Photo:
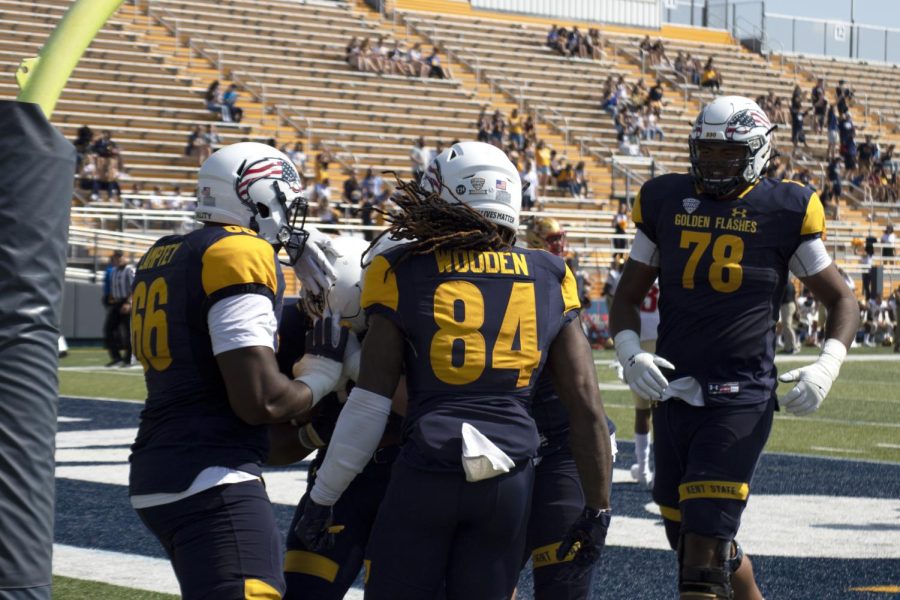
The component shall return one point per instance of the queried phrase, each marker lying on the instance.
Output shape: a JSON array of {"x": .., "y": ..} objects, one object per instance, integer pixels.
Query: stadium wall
[{"x": 634, "y": 13}]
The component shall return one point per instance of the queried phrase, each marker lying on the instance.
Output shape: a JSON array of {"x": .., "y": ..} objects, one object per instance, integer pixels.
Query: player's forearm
[
  {"x": 590, "y": 444},
  {"x": 624, "y": 315},
  {"x": 843, "y": 320}
]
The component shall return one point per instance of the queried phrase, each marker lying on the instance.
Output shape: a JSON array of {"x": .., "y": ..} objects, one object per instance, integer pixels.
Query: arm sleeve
[
  {"x": 357, "y": 433},
  {"x": 241, "y": 321},
  {"x": 239, "y": 264},
  {"x": 643, "y": 250},
  {"x": 810, "y": 258}
]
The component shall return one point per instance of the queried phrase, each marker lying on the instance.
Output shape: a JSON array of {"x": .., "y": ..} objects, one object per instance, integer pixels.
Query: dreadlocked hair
[{"x": 430, "y": 223}]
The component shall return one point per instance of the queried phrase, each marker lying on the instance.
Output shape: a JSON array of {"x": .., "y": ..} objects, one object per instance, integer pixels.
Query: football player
[
  {"x": 458, "y": 306},
  {"x": 558, "y": 498},
  {"x": 327, "y": 573},
  {"x": 203, "y": 327},
  {"x": 722, "y": 240}
]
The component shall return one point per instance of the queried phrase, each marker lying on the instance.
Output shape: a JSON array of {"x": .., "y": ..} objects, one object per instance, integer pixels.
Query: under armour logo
[
  {"x": 739, "y": 213},
  {"x": 690, "y": 205}
]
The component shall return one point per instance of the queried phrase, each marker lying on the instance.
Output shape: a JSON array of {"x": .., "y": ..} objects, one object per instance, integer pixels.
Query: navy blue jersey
[
  {"x": 187, "y": 423},
  {"x": 723, "y": 267},
  {"x": 478, "y": 326}
]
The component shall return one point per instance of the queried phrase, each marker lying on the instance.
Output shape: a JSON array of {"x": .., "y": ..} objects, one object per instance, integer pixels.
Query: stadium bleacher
[{"x": 144, "y": 77}]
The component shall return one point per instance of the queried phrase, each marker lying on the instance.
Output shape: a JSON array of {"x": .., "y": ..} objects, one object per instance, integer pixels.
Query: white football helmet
[
  {"x": 343, "y": 296},
  {"x": 255, "y": 186},
  {"x": 480, "y": 176},
  {"x": 730, "y": 145}
]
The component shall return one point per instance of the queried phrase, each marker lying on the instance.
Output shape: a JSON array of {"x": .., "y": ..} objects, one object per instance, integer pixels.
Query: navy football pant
[
  {"x": 436, "y": 531},
  {"x": 705, "y": 459},
  {"x": 556, "y": 503},
  {"x": 328, "y": 574},
  {"x": 224, "y": 543}
]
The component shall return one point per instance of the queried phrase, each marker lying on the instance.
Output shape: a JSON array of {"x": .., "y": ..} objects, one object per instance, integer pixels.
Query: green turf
[
  {"x": 859, "y": 419},
  {"x": 66, "y": 588}
]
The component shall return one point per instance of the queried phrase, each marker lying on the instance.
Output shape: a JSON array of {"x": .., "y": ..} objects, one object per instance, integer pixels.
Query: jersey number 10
[
  {"x": 149, "y": 327},
  {"x": 520, "y": 317}
]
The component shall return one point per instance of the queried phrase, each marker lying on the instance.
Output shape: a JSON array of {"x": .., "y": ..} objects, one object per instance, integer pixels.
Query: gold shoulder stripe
[
  {"x": 636, "y": 215},
  {"x": 571, "y": 301},
  {"x": 380, "y": 285},
  {"x": 237, "y": 260},
  {"x": 814, "y": 219},
  {"x": 309, "y": 563},
  {"x": 726, "y": 490}
]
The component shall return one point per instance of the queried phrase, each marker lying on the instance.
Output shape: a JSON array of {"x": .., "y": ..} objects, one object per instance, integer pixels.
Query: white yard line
[
  {"x": 830, "y": 449},
  {"x": 895, "y": 446}
]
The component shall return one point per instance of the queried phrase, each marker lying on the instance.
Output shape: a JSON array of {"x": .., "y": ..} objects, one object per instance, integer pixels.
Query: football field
[{"x": 823, "y": 520}]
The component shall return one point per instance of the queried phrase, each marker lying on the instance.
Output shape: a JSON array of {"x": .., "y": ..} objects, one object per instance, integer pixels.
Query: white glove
[
  {"x": 313, "y": 268},
  {"x": 641, "y": 368},
  {"x": 813, "y": 381}
]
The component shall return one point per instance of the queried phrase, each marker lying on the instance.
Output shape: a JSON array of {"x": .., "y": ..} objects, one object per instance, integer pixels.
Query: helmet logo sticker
[
  {"x": 477, "y": 184},
  {"x": 742, "y": 122},
  {"x": 690, "y": 205},
  {"x": 267, "y": 168},
  {"x": 206, "y": 197},
  {"x": 460, "y": 189}
]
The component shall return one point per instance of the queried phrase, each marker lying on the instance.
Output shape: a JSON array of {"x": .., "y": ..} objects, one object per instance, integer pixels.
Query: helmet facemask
[{"x": 720, "y": 168}]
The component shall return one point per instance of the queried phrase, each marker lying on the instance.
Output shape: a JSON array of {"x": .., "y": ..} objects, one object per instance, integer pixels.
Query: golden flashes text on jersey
[
  {"x": 159, "y": 256},
  {"x": 471, "y": 261},
  {"x": 708, "y": 222}
]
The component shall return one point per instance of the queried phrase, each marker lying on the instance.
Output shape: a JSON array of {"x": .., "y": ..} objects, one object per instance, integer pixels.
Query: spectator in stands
[
  {"x": 580, "y": 187},
  {"x": 438, "y": 148},
  {"x": 498, "y": 129},
  {"x": 610, "y": 102},
  {"x": 298, "y": 157},
  {"x": 174, "y": 199},
  {"x": 542, "y": 156},
  {"x": 658, "y": 53},
  {"x": 798, "y": 116},
  {"x": 418, "y": 158},
  {"x": 889, "y": 239},
  {"x": 680, "y": 66},
  {"x": 593, "y": 44},
  {"x": 215, "y": 103},
  {"x": 646, "y": 48},
  {"x": 530, "y": 131},
  {"x": 556, "y": 41},
  {"x": 156, "y": 200},
  {"x": 620, "y": 225},
  {"x": 379, "y": 55},
  {"x": 87, "y": 177},
  {"x": 351, "y": 187},
  {"x": 416, "y": 61},
  {"x": 556, "y": 167},
  {"x": 484, "y": 124},
  {"x": 194, "y": 141},
  {"x": 397, "y": 61},
  {"x": 565, "y": 179},
  {"x": 867, "y": 152},
  {"x": 351, "y": 53},
  {"x": 83, "y": 138},
  {"x": 695, "y": 70},
  {"x": 434, "y": 66},
  {"x": 367, "y": 59},
  {"x": 711, "y": 78},
  {"x": 639, "y": 95},
  {"x": 321, "y": 192},
  {"x": 886, "y": 159},
  {"x": 655, "y": 98},
  {"x": 575, "y": 44},
  {"x": 109, "y": 164},
  {"x": 843, "y": 96},
  {"x": 373, "y": 186},
  {"x": 831, "y": 123},
  {"x": 779, "y": 115},
  {"x": 322, "y": 162},
  {"x": 530, "y": 184},
  {"x": 652, "y": 130},
  {"x": 833, "y": 175},
  {"x": 229, "y": 99},
  {"x": 516, "y": 130},
  {"x": 819, "y": 105},
  {"x": 628, "y": 145},
  {"x": 211, "y": 142},
  {"x": 847, "y": 135}
]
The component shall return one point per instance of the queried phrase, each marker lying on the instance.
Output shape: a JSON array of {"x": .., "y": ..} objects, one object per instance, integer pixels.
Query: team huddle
[{"x": 443, "y": 377}]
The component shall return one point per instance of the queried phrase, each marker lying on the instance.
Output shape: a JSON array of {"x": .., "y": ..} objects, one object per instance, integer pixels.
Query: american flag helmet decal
[{"x": 266, "y": 168}]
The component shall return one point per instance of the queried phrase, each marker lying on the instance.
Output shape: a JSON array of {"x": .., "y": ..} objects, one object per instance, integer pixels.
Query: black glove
[
  {"x": 326, "y": 338},
  {"x": 313, "y": 527},
  {"x": 586, "y": 537}
]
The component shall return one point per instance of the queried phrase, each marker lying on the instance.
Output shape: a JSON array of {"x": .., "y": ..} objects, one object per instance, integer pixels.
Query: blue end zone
[{"x": 95, "y": 515}]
